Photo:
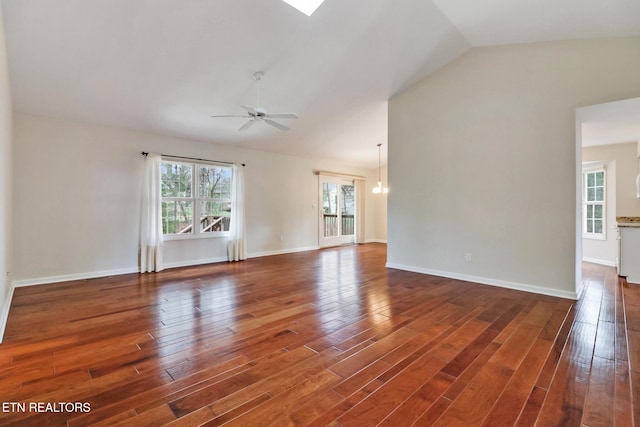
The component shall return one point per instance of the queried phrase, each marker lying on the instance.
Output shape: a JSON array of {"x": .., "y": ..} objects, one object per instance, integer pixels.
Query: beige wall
[
  {"x": 627, "y": 204},
  {"x": 483, "y": 155},
  {"x": 6, "y": 143},
  {"x": 77, "y": 199}
]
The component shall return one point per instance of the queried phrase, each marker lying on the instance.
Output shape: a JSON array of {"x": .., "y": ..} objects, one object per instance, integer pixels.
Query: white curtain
[
  {"x": 151, "y": 216},
  {"x": 237, "y": 245},
  {"x": 360, "y": 194}
]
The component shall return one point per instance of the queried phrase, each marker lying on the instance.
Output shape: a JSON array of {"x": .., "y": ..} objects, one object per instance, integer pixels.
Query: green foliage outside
[{"x": 213, "y": 198}]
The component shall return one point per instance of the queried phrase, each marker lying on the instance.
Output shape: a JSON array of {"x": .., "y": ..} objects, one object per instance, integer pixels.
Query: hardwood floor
[{"x": 326, "y": 337}]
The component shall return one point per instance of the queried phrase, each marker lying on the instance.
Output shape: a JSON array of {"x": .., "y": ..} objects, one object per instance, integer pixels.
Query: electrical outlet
[{"x": 467, "y": 257}]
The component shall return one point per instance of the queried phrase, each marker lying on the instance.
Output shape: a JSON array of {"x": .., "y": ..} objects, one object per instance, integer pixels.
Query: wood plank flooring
[{"x": 319, "y": 338}]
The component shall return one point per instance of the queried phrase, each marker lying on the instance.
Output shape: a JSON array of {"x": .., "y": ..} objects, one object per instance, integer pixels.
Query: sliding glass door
[{"x": 337, "y": 211}]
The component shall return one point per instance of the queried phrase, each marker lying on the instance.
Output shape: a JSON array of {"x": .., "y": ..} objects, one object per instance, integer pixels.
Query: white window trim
[
  {"x": 195, "y": 200},
  {"x": 591, "y": 168}
]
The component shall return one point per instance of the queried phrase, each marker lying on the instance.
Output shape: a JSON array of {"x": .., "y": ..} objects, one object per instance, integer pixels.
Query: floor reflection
[
  {"x": 201, "y": 309},
  {"x": 341, "y": 293},
  {"x": 337, "y": 285}
]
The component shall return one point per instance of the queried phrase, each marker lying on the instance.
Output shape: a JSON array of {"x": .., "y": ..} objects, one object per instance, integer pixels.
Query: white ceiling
[
  {"x": 166, "y": 66},
  {"x": 610, "y": 123}
]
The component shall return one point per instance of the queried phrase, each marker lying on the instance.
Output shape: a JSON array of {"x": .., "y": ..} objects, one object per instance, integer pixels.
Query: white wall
[
  {"x": 6, "y": 110},
  {"x": 77, "y": 199},
  {"x": 482, "y": 157}
]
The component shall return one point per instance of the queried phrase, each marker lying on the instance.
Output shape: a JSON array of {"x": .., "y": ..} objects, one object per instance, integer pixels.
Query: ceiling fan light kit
[{"x": 258, "y": 113}]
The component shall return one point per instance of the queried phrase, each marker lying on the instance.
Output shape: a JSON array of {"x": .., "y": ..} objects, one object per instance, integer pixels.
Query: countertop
[{"x": 628, "y": 221}]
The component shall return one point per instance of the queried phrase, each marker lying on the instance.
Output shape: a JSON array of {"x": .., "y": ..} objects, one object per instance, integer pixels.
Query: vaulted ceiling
[{"x": 166, "y": 66}]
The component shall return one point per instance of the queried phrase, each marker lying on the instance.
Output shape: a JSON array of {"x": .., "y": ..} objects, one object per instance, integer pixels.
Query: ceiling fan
[{"x": 257, "y": 113}]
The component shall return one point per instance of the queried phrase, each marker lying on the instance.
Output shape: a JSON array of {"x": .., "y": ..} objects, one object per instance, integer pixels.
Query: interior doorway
[{"x": 607, "y": 138}]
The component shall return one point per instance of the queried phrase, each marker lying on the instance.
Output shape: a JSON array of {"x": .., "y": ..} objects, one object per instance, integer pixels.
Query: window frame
[
  {"x": 195, "y": 199},
  {"x": 586, "y": 203}
]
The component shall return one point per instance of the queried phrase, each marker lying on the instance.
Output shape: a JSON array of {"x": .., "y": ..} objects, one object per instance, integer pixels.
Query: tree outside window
[{"x": 196, "y": 198}]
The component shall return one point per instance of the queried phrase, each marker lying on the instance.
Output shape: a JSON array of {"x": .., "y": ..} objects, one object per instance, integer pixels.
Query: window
[
  {"x": 196, "y": 199},
  {"x": 305, "y": 6},
  {"x": 594, "y": 204}
]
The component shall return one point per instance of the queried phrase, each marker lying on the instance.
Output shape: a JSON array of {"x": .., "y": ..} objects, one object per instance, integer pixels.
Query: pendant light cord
[{"x": 379, "y": 163}]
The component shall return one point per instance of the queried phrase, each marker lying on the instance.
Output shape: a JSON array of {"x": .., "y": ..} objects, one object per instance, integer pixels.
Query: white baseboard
[
  {"x": 600, "y": 262},
  {"x": 488, "y": 281},
  {"x": 375, "y": 241},
  {"x": 5, "y": 313},
  {"x": 283, "y": 251},
  {"x": 70, "y": 277}
]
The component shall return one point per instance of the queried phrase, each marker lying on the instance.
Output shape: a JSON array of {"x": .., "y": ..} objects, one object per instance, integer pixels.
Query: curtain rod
[
  {"x": 144, "y": 153},
  {"x": 339, "y": 175}
]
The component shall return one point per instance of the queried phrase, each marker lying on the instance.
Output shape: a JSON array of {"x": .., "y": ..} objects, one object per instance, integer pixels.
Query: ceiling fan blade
[
  {"x": 251, "y": 110},
  {"x": 276, "y": 124},
  {"x": 234, "y": 115},
  {"x": 247, "y": 125},
  {"x": 282, "y": 116}
]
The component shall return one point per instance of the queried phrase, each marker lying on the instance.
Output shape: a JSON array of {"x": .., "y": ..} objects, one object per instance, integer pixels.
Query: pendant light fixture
[{"x": 379, "y": 188}]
